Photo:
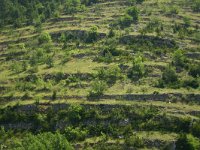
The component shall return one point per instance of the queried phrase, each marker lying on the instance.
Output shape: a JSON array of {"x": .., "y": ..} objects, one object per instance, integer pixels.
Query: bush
[
  {"x": 194, "y": 70},
  {"x": 134, "y": 13},
  {"x": 111, "y": 49},
  {"x": 75, "y": 134},
  {"x": 110, "y": 75},
  {"x": 44, "y": 38},
  {"x": 169, "y": 75},
  {"x": 187, "y": 142},
  {"x": 92, "y": 35},
  {"x": 137, "y": 70},
  {"x": 155, "y": 25},
  {"x": 134, "y": 141},
  {"x": 195, "y": 130},
  {"x": 98, "y": 88},
  {"x": 190, "y": 82},
  {"x": 169, "y": 78},
  {"x": 125, "y": 21},
  {"x": 49, "y": 61},
  {"x": 179, "y": 60},
  {"x": 75, "y": 113},
  {"x": 44, "y": 141},
  {"x": 196, "y": 5}
]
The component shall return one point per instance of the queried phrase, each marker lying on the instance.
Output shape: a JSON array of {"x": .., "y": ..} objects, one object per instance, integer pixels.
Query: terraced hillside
[{"x": 118, "y": 74}]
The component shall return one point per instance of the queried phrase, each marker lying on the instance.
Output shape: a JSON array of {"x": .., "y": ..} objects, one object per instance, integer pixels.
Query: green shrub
[
  {"x": 179, "y": 60},
  {"x": 196, "y": 5},
  {"x": 134, "y": 141},
  {"x": 98, "y": 88},
  {"x": 110, "y": 75},
  {"x": 92, "y": 35},
  {"x": 194, "y": 70},
  {"x": 187, "y": 142},
  {"x": 44, "y": 141},
  {"x": 195, "y": 129},
  {"x": 155, "y": 25},
  {"x": 137, "y": 70},
  {"x": 75, "y": 113},
  {"x": 134, "y": 13},
  {"x": 125, "y": 21},
  {"x": 75, "y": 134},
  {"x": 49, "y": 61},
  {"x": 44, "y": 37},
  {"x": 169, "y": 78},
  {"x": 190, "y": 82}
]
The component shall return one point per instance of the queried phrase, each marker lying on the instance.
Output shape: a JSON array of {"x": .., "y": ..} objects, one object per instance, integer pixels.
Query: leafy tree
[
  {"x": 155, "y": 25},
  {"x": 75, "y": 113},
  {"x": 179, "y": 59},
  {"x": 187, "y": 142},
  {"x": 98, "y": 88},
  {"x": 44, "y": 37},
  {"x": 49, "y": 61},
  {"x": 196, "y": 5},
  {"x": 72, "y": 6},
  {"x": 137, "y": 70},
  {"x": 92, "y": 35},
  {"x": 44, "y": 141},
  {"x": 169, "y": 78},
  {"x": 75, "y": 134},
  {"x": 125, "y": 21},
  {"x": 194, "y": 70},
  {"x": 134, "y": 13},
  {"x": 110, "y": 75},
  {"x": 190, "y": 82}
]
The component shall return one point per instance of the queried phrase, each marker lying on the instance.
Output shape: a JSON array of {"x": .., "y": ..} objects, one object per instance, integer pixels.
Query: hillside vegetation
[{"x": 98, "y": 74}]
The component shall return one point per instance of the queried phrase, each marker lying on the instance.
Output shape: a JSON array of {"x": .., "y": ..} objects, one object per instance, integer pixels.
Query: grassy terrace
[{"x": 142, "y": 77}]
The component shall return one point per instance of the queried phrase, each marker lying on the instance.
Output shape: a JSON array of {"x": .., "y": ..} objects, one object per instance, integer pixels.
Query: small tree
[
  {"x": 125, "y": 21},
  {"x": 137, "y": 70},
  {"x": 194, "y": 70},
  {"x": 187, "y": 142},
  {"x": 134, "y": 13},
  {"x": 92, "y": 35},
  {"x": 98, "y": 88},
  {"x": 44, "y": 37},
  {"x": 169, "y": 78},
  {"x": 49, "y": 62},
  {"x": 179, "y": 59}
]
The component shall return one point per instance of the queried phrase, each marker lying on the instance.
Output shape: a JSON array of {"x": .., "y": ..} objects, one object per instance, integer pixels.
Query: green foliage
[
  {"x": 44, "y": 37},
  {"x": 196, "y": 129},
  {"x": 75, "y": 113},
  {"x": 179, "y": 59},
  {"x": 190, "y": 82},
  {"x": 194, "y": 70},
  {"x": 169, "y": 78},
  {"x": 134, "y": 13},
  {"x": 75, "y": 134},
  {"x": 44, "y": 141},
  {"x": 137, "y": 70},
  {"x": 125, "y": 21},
  {"x": 187, "y": 22},
  {"x": 72, "y": 6},
  {"x": 134, "y": 141},
  {"x": 187, "y": 142},
  {"x": 155, "y": 25},
  {"x": 92, "y": 35},
  {"x": 110, "y": 75},
  {"x": 196, "y": 5},
  {"x": 19, "y": 13},
  {"x": 49, "y": 61},
  {"x": 98, "y": 88},
  {"x": 136, "y": 1}
]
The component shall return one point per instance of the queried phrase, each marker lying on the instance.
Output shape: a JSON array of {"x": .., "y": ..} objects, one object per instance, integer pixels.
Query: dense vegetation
[{"x": 97, "y": 74}]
